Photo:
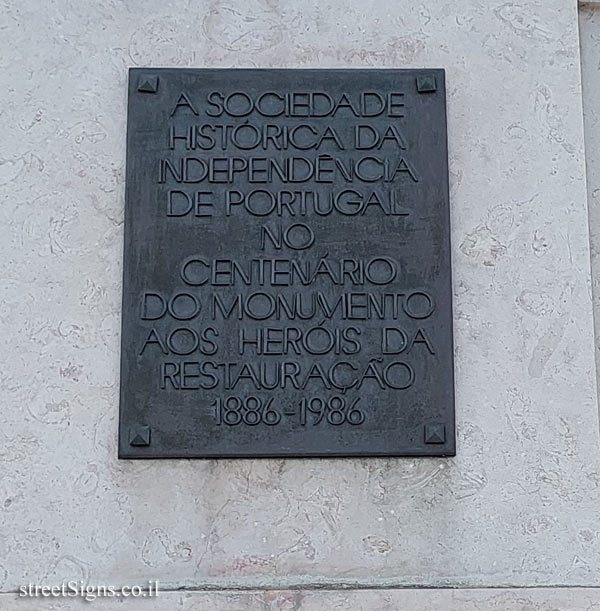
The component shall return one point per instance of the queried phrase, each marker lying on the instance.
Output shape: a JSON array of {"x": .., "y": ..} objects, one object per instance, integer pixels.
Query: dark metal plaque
[{"x": 287, "y": 286}]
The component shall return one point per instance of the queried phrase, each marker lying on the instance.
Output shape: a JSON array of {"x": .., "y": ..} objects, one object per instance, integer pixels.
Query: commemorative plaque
[{"x": 287, "y": 278}]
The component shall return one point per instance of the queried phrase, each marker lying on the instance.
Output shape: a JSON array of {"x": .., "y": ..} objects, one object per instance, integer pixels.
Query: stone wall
[{"x": 517, "y": 507}]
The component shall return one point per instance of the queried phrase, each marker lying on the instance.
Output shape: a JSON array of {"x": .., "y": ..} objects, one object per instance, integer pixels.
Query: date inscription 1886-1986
[{"x": 287, "y": 286}]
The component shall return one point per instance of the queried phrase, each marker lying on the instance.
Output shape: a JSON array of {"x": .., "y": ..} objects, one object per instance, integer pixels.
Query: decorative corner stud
[
  {"x": 426, "y": 83},
  {"x": 435, "y": 433},
  {"x": 148, "y": 83},
  {"x": 139, "y": 436}
]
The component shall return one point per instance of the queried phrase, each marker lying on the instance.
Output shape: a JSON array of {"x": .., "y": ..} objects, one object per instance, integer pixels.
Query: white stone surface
[
  {"x": 525, "y": 599},
  {"x": 589, "y": 25},
  {"x": 519, "y": 505}
]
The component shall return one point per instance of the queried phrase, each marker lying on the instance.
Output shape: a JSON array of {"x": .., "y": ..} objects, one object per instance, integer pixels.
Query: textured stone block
[
  {"x": 518, "y": 505},
  {"x": 527, "y": 599}
]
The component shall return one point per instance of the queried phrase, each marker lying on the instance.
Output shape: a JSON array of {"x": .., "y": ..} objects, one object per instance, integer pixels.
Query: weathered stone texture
[
  {"x": 525, "y": 599},
  {"x": 517, "y": 506}
]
